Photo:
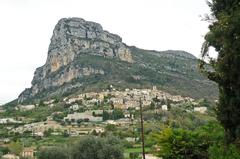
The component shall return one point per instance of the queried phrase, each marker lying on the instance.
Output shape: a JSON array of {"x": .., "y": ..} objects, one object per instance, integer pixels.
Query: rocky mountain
[{"x": 84, "y": 57}]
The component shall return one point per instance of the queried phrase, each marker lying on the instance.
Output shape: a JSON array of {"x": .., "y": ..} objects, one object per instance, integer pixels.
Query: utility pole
[{"x": 142, "y": 130}]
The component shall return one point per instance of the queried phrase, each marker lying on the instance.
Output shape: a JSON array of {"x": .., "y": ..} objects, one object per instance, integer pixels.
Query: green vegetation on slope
[{"x": 167, "y": 70}]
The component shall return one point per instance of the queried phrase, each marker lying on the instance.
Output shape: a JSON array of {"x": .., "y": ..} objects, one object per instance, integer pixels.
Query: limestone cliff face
[
  {"x": 71, "y": 38},
  {"x": 84, "y": 57}
]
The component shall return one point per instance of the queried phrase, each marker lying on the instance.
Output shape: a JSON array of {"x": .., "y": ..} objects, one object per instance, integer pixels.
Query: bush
[
  {"x": 88, "y": 148},
  {"x": 98, "y": 148},
  {"x": 128, "y": 144},
  {"x": 52, "y": 153},
  {"x": 4, "y": 150},
  {"x": 134, "y": 155},
  {"x": 219, "y": 152},
  {"x": 188, "y": 144},
  {"x": 182, "y": 144}
]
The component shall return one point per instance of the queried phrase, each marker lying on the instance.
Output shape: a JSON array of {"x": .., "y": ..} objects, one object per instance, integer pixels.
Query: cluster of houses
[
  {"x": 125, "y": 99},
  {"x": 129, "y": 98},
  {"x": 25, "y": 107},
  {"x": 9, "y": 121},
  {"x": 38, "y": 128},
  {"x": 79, "y": 117}
]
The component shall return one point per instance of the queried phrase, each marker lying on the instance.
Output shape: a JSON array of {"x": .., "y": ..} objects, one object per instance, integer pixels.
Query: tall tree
[{"x": 224, "y": 36}]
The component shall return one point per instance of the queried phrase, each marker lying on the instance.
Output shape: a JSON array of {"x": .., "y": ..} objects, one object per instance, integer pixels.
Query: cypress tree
[{"x": 224, "y": 36}]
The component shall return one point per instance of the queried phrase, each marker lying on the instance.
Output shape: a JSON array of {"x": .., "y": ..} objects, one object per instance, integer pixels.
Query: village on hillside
[{"x": 89, "y": 113}]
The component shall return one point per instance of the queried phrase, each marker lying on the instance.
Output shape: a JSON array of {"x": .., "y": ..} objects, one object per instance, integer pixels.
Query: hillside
[{"x": 83, "y": 57}]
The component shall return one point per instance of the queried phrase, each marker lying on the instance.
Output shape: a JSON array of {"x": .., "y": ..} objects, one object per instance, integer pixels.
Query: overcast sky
[{"x": 26, "y": 28}]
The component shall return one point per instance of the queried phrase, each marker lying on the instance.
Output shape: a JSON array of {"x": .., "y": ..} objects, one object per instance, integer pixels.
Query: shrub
[
  {"x": 217, "y": 151},
  {"x": 189, "y": 144},
  {"x": 98, "y": 148},
  {"x": 52, "y": 153}
]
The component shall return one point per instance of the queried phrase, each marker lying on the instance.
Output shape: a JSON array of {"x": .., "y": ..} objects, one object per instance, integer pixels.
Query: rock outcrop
[
  {"x": 71, "y": 37},
  {"x": 83, "y": 57}
]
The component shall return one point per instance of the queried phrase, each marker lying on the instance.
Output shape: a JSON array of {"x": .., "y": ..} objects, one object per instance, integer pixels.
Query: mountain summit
[{"x": 84, "y": 57}]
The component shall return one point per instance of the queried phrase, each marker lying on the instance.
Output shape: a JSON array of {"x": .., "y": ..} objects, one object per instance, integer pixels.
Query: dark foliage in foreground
[
  {"x": 89, "y": 147},
  {"x": 224, "y": 37}
]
